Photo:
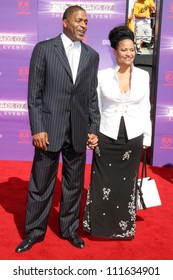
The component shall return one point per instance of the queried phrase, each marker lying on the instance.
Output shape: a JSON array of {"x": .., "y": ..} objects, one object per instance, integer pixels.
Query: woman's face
[{"x": 125, "y": 53}]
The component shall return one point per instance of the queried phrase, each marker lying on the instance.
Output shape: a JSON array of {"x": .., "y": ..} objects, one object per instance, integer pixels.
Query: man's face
[{"x": 75, "y": 25}]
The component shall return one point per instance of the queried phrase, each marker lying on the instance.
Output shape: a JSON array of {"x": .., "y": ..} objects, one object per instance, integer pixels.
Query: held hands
[
  {"x": 145, "y": 147},
  {"x": 92, "y": 141},
  {"x": 40, "y": 140}
]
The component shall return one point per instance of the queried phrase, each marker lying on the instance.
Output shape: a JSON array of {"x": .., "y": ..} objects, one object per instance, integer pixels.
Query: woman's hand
[
  {"x": 92, "y": 141},
  {"x": 145, "y": 147}
]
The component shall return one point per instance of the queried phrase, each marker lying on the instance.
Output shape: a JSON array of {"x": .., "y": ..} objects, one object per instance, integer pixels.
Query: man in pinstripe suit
[{"x": 64, "y": 117}]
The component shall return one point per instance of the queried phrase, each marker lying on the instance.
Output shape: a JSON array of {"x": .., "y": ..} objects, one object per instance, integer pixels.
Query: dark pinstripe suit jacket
[{"x": 52, "y": 94}]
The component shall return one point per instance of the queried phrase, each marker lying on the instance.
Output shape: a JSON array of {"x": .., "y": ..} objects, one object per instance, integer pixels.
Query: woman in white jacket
[{"x": 125, "y": 129}]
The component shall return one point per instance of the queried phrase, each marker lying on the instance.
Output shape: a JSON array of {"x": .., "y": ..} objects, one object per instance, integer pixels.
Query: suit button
[{"x": 68, "y": 110}]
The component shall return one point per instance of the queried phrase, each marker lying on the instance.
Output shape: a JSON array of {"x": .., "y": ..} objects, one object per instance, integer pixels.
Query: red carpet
[{"x": 153, "y": 239}]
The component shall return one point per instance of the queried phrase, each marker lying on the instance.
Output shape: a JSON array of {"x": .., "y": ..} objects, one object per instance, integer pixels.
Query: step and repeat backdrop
[
  {"x": 163, "y": 133},
  {"x": 25, "y": 22},
  {"x": 22, "y": 24}
]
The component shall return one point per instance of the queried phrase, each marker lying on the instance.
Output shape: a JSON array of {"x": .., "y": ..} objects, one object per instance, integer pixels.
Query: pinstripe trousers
[{"x": 41, "y": 190}]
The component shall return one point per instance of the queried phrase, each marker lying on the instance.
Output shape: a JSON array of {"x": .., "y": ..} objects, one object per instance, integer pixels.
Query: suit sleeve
[
  {"x": 35, "y": 89},
  {"x": 94, "y": 114}
]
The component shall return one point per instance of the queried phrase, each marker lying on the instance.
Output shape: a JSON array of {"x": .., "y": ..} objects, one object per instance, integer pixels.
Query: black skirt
[{"x": 110, "y": 210}]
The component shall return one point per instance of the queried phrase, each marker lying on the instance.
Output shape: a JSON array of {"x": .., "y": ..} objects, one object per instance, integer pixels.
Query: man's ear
[{"x": 65, "y": 23}]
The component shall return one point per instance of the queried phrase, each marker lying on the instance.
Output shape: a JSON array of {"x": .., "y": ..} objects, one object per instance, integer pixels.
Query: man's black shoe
[
  {"x": 76, "y": 241},
  {"x": 26, "y": 244}
]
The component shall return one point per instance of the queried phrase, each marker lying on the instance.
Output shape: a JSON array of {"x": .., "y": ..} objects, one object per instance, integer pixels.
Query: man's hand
[
  {"x": 40, "y": 140},
  {"x": 92, "y": 141}
]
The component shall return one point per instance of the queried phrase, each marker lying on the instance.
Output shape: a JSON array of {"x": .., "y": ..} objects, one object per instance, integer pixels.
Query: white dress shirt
[
  {"x": 77, "y": 51},
  {"x": 135, "y": 108}
]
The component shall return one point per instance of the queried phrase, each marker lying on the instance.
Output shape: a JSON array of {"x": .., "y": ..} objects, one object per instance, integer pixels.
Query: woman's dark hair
[{"x": 118, "y": 34}]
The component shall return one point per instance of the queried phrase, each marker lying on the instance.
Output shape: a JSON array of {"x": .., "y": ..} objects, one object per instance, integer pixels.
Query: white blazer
[{"x": 135, "y": 108}]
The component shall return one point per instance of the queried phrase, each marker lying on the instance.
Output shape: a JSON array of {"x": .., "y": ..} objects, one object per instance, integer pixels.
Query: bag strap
[{"x": 143, "y": 175}]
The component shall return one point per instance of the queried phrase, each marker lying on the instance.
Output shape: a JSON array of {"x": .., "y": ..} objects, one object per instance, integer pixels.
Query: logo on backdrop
[
  {"x": 104, "y": 10},
  {"x": 105, "y": 42},
  {"x": 13, "y": 108},
  {"x": 24, "y": 137},
  {"x": 169, "y": 78},
  {"x": 167, "y": 141},
  {"x": 23, "y": 72},
  {"x": 14, "y": 41},
  {"x": 23, "y": 7},
  {"x": 170, "y": 113}
]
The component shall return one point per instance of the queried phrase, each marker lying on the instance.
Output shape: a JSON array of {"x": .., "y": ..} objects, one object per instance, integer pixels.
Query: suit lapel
[
  {"x": 61, "y": 54},
  {"x": 84, "y": 57}
]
